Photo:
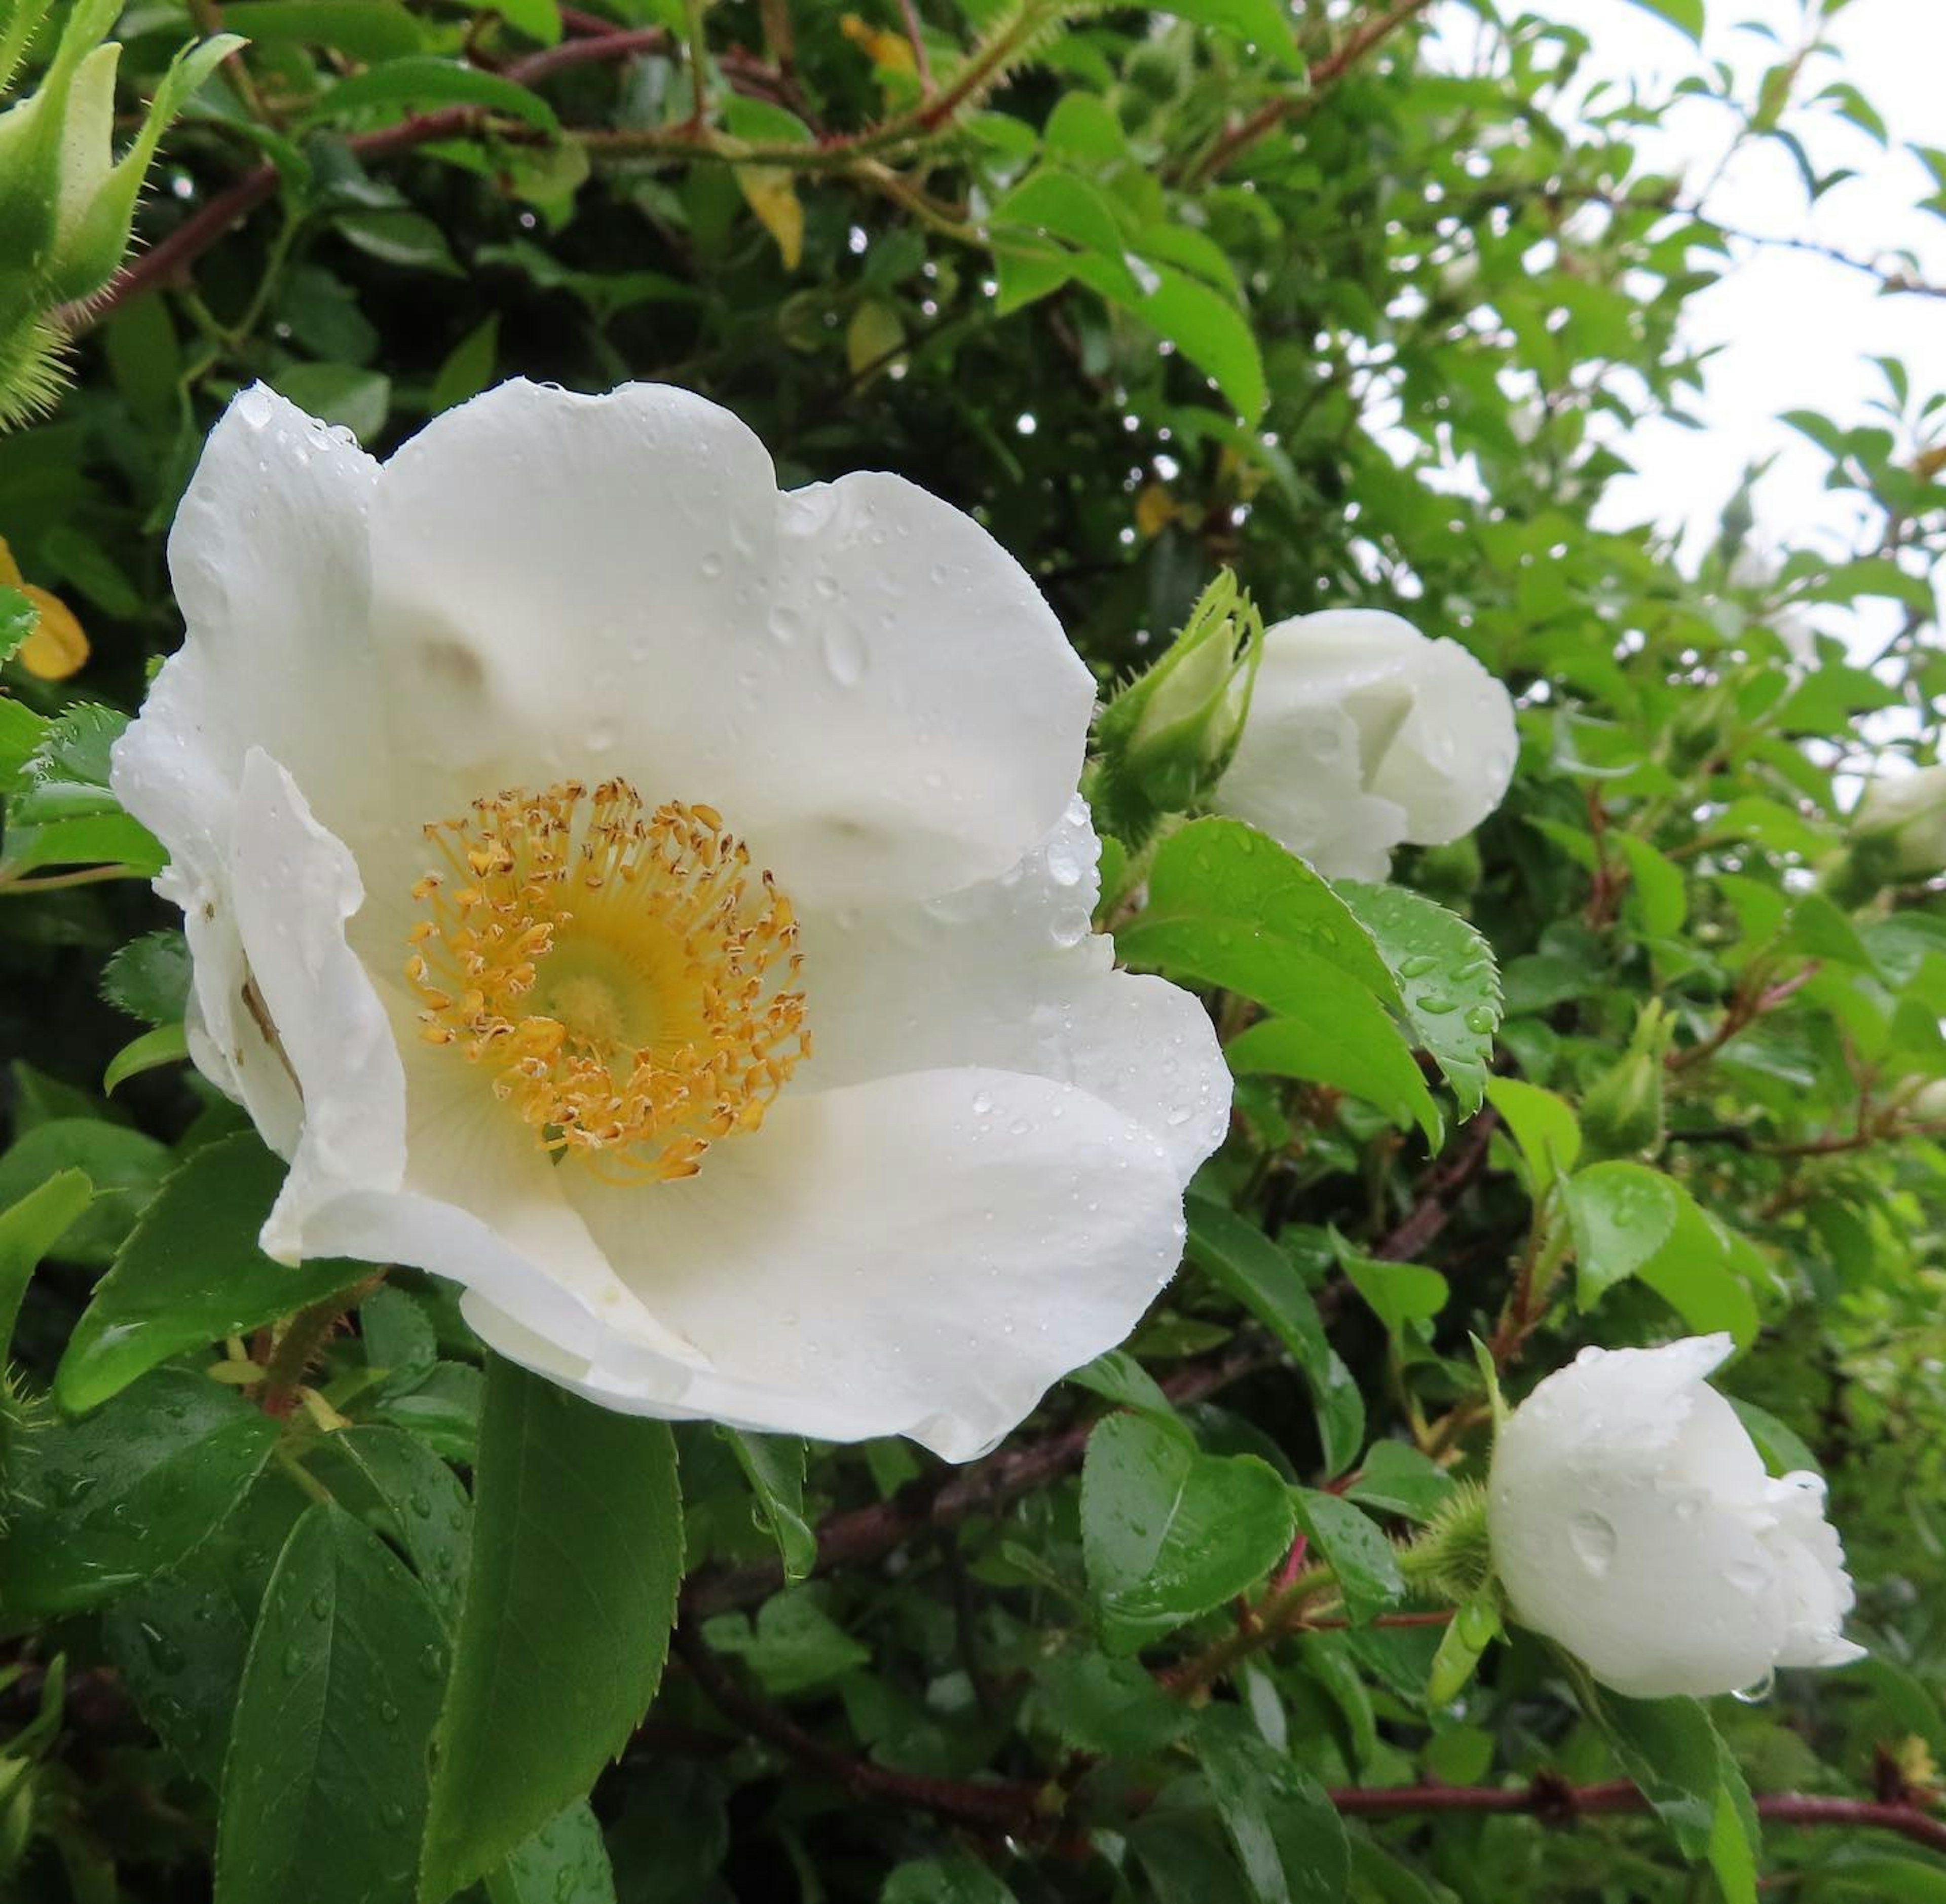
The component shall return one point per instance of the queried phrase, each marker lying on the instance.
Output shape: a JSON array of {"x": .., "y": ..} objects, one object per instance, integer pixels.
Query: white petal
[
  {"x": 1811, "y": 1559},
  {"x": 1627, "y": 1518},
  {"x": 922, "y": 1256},
  {"x": 293, "y": 886},
  {"x": 268, "y": 556},
  {"x": 865, "y": 685},
  {"x": 1450, "y": 761},
  {"x": 481, "y": 1201},
  {"x": 1363, "y": 734},
  {"x": 1007, "y": 975}
]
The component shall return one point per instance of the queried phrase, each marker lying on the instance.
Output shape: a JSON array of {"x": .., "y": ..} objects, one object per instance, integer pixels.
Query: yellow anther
[{"x": 627, "y": 987}]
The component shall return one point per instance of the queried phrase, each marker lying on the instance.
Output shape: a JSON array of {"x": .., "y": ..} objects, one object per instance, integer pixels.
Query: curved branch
[
  {"x": 863, "y": 1534},
  {"x": 168, "y": 260}
]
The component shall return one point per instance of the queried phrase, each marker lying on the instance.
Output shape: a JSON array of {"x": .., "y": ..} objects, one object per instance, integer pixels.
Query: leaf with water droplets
[
  {"x": 1167, "y": 1533},
  {"x": 191, "y": 1273},
  {"x": 102, "y": 1504},
  {"x": 563, "y": 1862},
  {"x": 1446, "y": 975},
  {"x": 324, "y": 1786}
]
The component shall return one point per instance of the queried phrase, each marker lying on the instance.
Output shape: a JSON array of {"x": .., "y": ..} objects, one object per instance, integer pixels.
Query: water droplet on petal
[{"x": 1593, "y": 1540}]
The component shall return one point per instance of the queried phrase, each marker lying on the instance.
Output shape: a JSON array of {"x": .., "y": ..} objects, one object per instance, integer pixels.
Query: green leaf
[
  {"x": 1543, "y": 1126},
  {"x": 792, "y": 1645},
  {"x": 1241, "y": 1261},
  {"x": 366, "y": 29},
  {"x": 468, "y": 368},
  {"x": 19, "y": 618},
  {"x": 28, "y": 1229},
  {"x": 403, "y": 1491},
  {"x": 1400, "y": 1294},
  {"x": 1621, "y": 1214},
  {"x": 1113, "y": 1707},
  {"x": 181, "y": 1638},
  {"x": 775, "y": 1464},
  {"x": 1263, "y": 22},
  {"x": 955, "y": 1877},
  {"x": 565, "y": 1862},
  {"x": 419, "y": 80},
  {"x": 577, "y": 1554},
  {"x": 1660, "y": 894},
  {"x": 1167, "y": 1533},
  {"x": 1470, "y": 1632},
  {"x": 1445, "y": 973},
  {"x": 1202, "y": 323},
  {"x": 1398, "y": 1479},
  {"x": 1670, "y": 1751},
  {"x": 343, "y": 393},
  {"x": 1343, "y": 1040},
  {"x": 1229, "y": 906},
  {"x": 124, "y": 1166},
  {"x": 324, "y": 1787},
  {"x": 1117, "y": 1376},
  {"x": 1360, "y": 1557},
  {"x": 1686, "y": 15},
  {"x": 1696, "y": 1273},
  {"x": 102, "y": 1504},
  {"x": 191, "y": 1273},
  {"x": 166, "y": 1044},
  {"x": 1286, "y": 1834},
  {"x": 149, "y": 979}
]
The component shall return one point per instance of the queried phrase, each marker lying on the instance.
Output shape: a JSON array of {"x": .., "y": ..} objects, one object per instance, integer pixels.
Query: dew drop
[
  {"x": 786, "y": 625},
  {"x": 1593, "y": 1540},
  {"x": 1417, "y": 966},
  {"x": 844, "y": 654},
  {"x": 1756, "y": 1694},
  {"x": 1479, "y": 1019}
]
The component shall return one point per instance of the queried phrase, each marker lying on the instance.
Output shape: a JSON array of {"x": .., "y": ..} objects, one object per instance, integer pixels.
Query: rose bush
[{"x": 689, "y": 978}]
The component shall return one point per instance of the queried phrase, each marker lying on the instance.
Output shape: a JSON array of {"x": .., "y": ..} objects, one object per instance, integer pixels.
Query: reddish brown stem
[
  {"x": 863, "y": 1534},
  {"x": 165, "y": 262},
  {"x": 1322, "y": 77}
]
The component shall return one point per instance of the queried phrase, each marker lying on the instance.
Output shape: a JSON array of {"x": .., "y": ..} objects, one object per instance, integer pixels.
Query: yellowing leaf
[
  {"x": 886, "y": 49},
  {"x": 772, "y": 194},
  {"x": 1155, "y": 510},
  {"x": 872, "y": 338},
  {"x": 58, "y": 645}
]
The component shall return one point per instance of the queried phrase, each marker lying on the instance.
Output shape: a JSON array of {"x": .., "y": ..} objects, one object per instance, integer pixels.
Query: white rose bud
[
  {"x": 1633, "y": 1522},
  {"x": 1909, "y": 810},
  {"x": 1364, "y": 734}
]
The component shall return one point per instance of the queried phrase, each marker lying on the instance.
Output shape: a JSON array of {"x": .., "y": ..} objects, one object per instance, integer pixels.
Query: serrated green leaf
[
  {"x": 1243, "y": 1262},
  {"x": 189, "y": 1273},
  {"x": 1446, "y": 975},
  {"x": 1168, "y": 1533},
  {"x": 324, "y": 1785},
  {"x": 570, "y": 1597}
]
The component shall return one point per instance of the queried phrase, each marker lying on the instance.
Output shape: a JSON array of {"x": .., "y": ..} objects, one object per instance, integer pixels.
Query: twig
[
  {"x": 996, "y": 1805},
  {"x": 864, "y": 1535},
  {"x": 1322, "y": 77},
  {"x": 170, "y": 258},
  {"x": 1432, "y": 1208},
  {"x": 1561, "y": 1803}
]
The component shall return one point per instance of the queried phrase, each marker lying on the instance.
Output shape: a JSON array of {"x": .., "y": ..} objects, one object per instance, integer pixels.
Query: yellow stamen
[{"x": 616, "y": 971}]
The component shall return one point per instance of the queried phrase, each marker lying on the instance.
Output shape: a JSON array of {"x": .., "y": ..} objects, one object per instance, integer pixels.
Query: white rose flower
[
  {"x": 1631, "y": 1521},
  {"x": 662, "y": 905},
  {"x": 1363, "y": 734},
  {"x": 1909, "y": 809}
]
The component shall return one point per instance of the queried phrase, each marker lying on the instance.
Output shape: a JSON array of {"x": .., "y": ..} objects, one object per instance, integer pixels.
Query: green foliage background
[{"x": 1149, "y": 293}]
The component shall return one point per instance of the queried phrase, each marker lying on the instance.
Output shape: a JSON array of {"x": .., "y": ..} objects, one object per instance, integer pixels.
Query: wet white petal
[{"x": 1633, "y": 1522}]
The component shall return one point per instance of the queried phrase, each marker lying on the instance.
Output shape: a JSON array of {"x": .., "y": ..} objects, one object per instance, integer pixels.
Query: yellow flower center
[{"x": 619, "y": 972}]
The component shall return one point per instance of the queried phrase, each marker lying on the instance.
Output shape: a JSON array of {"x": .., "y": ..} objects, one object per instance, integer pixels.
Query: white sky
[{"x": 1799, "y": 331}]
